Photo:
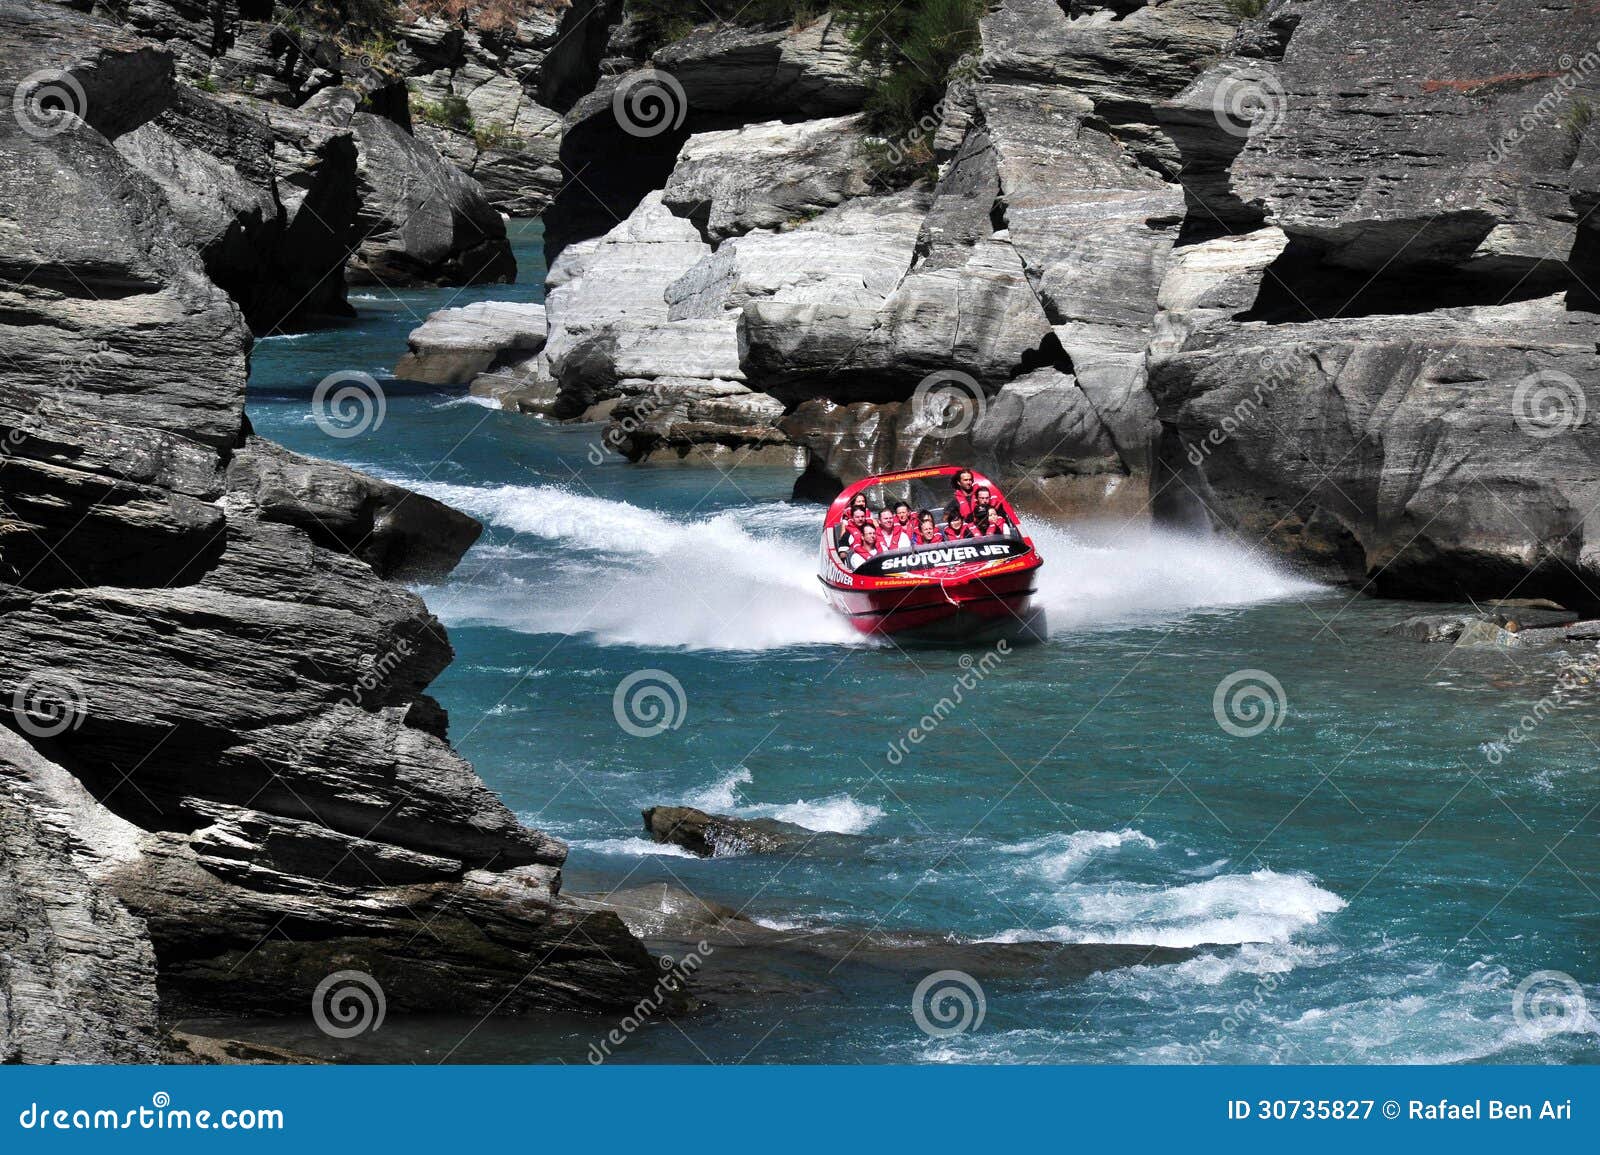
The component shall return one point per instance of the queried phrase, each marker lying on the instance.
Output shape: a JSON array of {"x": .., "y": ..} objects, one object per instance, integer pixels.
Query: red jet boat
[{"x": 942, "y": 591}]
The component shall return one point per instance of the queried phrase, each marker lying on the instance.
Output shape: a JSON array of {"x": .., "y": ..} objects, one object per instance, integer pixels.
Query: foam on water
[
  {"x": 835, "y": 814},
  {"x": 1263, "y": 906},
  {"x": 746, "y": 579},
  {"x": 1057, "y": 856},
  {"x": 631, "y": 847}
]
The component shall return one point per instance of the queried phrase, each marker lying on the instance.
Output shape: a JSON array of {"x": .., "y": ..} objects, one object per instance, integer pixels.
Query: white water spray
[{"x": 746, "y": 579}]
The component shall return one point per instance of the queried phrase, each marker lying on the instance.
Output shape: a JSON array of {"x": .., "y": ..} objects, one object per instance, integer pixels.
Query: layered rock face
[
  {"x": 221, "y": 779},
  {"x": 1301, "y": 276},
  {"x": 287, "y": 154}
]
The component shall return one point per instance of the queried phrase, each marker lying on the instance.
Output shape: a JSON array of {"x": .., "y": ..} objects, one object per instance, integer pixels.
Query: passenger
[
  {"x": 891, "y": 534},
  {"x": 927, "y": 531},
  {"x": 955, "y": 528},
  {"x": 902, "y": 514},
  {"x": 867, "y": 547},
  {"x": 965, "y": 497},
  {"x": 859, "y": 501},
  {"x": 996, "y": 525},
  {"x": 982, "y": 504}
]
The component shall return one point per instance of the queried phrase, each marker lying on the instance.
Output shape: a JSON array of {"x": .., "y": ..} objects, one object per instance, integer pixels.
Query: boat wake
[{"x": 555, "y": 561}]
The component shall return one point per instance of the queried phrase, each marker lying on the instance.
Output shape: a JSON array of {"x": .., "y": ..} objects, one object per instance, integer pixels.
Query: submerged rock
[{"x": 717, "y": 835}]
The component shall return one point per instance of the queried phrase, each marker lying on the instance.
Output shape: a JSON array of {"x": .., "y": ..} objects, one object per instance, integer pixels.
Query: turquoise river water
[{"x": 1369, "y": 880}]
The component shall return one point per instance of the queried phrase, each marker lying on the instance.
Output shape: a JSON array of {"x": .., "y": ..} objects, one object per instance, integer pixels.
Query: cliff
[
  {"x": 1317, "y": 274},
  {"x": 221, "y": 778}
]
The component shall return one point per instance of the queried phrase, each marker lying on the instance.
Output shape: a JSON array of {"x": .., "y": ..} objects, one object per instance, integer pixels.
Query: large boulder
[
  {"x": 421, "y": 220},
  {"x": 453, "y": 346}
]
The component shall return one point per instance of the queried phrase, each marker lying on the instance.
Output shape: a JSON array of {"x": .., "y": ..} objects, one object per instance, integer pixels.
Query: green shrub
[
  {"x": 914, "y": 45},
  {"x": 451, "y": 112}
]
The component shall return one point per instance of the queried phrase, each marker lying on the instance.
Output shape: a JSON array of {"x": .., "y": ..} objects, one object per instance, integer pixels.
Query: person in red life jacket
[
  {"x": 996, "y": 524},
  {"x": 848, "y": 531},
  {"x": 965, "y": 497},
  {"x": 982, "y": 505},
  {"x": 961, "y": 499},
  {"x": 891, "y": 534},
  {"x": 927, "y": 531},
  {"x": 902, "y": 515},
  {"x": 867, "y": 547},
  {"x": 955, "y": 527}
]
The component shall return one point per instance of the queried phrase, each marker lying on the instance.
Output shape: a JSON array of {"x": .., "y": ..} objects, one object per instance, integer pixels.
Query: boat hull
[{"x": 934, "y": 610}]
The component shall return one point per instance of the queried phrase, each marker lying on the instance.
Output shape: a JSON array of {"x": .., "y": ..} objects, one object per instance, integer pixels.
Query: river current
[{"x": 1368, "y": 877}]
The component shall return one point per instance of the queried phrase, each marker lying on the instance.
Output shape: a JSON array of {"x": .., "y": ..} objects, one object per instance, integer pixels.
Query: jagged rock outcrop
[
  {"x": 420, "y": 219},
  {"x": 77, "y": 974},
  {"x": 221, "y": 778},
  {"x": 719, "y": 77},
  {"x": 267, "y": 202}
]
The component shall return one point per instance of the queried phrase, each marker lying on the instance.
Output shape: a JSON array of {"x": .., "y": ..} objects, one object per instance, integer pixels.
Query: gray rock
[
  {"x": 752, "y": 72},
  {"x": 1398, "y": 449},
  {"x": 77, "y": 973},
  {"x": 455, "y": 345},
  {"x": 765, "y": 175},
  {"x": 421, "y": 220},
  {"x": 717, "y": 835}
]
